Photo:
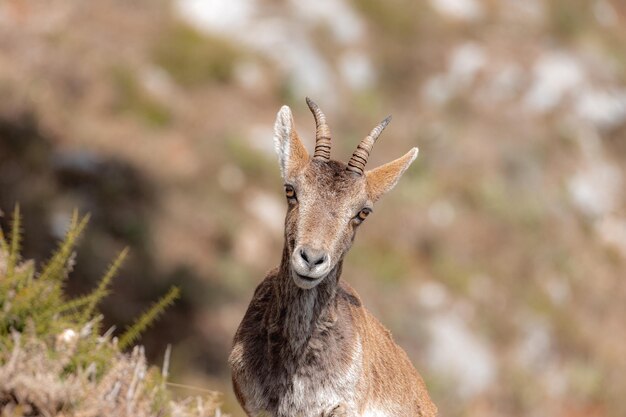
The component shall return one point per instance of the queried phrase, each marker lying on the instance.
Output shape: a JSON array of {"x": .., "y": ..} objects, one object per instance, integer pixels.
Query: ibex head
[{"x": 328, "y": 200}]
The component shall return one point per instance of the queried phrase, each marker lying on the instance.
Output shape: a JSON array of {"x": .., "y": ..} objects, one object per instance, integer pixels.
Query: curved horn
[
  {"x": 322, "y": 132},
  {"x": 359, "y": 158}
]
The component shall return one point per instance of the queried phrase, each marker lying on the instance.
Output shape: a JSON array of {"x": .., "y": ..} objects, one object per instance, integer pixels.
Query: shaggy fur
[{"x": 306, "y": 346}]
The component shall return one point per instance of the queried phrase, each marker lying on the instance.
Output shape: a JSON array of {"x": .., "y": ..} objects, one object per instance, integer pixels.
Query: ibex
[{"x": 306, "y": 346}]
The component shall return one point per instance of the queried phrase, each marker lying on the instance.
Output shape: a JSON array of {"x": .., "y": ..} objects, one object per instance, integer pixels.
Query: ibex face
[
  {"x": 326, "y": 205},
  {"x": 327, "y": 199}
]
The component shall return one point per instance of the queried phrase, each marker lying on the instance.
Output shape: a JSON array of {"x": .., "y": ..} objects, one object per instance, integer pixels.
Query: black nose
[{"x": 312, "y": 257}]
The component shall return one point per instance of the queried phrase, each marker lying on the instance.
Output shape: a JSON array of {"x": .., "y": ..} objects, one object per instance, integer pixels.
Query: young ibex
[{"x": 306, "y": 346}]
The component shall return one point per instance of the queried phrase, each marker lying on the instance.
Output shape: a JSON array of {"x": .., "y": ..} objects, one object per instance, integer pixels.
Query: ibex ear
[
  {"x": 292, "y": 155},
  {"x": 385, "y": 177}
]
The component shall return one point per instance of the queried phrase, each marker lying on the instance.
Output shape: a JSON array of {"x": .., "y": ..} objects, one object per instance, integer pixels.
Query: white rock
[
  {"x": 504, "y": 84},
  {"x": 441, "y": 213},
  {"x": 459, "y": 9},
  {"x": 465, "y": 63},
  {"x": 67, "y": 336},
  {"x": 157, "y": 81},
  {"x": 225, "y": 16},
  {"x": 252, "y": 244},
  {"x": 596, "y": 188},
  {"x": 356, "y": 70},
  {"x": 267, "y": 209},
  {"x": 249, "y": 74},
  {"x": 432, "y": 295},
  {"x": 533, "y": 349},
  {"x": 457, "y": 353},
  {"x": 60, "y": 221},
  {"x": 605, "y": 109},
  {"x": 345, "y": 24},
  {"x": 437, "y": 90},
  {"x": 285, "y": 36},
  {"x": 556, "y": 75},
  {"x": 556, "y": 381},
  {"x": 605, "y": 13},
  {"x": 558, "y": 290},
  {"x": 291, "y": 49},
  {"x": 612, "y": 232}
]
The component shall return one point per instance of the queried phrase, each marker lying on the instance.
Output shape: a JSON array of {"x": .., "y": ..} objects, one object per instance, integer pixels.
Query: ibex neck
[{"x": 298, "y": 313}]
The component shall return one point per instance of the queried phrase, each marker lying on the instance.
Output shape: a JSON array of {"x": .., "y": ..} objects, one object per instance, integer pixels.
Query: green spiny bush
[{"x": 54, "y": 358}]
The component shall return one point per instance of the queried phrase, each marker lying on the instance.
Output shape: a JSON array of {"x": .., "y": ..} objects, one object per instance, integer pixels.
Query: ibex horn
[
  {"x": 359, "y": 158},
  {"x": 322, "y": 132}
]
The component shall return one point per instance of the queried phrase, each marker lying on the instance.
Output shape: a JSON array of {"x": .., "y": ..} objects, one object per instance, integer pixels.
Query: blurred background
[{"x": 499, "y": 260}]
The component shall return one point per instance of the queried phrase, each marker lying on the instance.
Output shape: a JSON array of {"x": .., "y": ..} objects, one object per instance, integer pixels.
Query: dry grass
[
  {"x": 53, "y": 359},
  {"x": 34, "y": 382}
]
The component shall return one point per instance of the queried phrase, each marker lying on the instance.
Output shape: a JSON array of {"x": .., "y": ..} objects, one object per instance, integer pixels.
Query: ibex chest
[{"x": 275, "y": 379}]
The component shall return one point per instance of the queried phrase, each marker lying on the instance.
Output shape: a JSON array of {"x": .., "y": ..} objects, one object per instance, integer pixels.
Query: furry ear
[
  {"x": 385, "y": 177},
  {"x": 292, "y": 155}
]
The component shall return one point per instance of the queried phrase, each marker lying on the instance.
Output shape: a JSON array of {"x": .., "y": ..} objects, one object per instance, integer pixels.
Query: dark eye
[
  {"x": 363, "y": 214},
  {"x": 290, "y": 193}
]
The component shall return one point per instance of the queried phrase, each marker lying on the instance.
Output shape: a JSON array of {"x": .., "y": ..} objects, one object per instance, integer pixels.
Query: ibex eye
[
  {"x": 364, "y": 213},
  {"x": 290, "y": 192}
]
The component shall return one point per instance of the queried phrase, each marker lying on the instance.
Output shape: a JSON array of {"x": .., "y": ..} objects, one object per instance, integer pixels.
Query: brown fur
[{"x": 306, "y": 346}]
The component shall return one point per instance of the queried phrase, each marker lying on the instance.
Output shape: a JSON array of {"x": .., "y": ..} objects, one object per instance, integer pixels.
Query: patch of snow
[
  {"x": 356, "y": 70},
  {"x": 556, "y": 74},
  {"x": 459, "y": 9},
  {"x": 455, "y": 351}
]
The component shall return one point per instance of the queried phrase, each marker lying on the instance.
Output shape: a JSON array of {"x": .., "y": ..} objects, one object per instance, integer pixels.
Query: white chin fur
[{"x": 305, "y": 284}]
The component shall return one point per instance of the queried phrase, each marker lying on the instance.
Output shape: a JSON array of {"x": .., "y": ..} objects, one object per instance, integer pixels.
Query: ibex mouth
[
  {"x": 305, "y": 277},
  {"x": 305, "y": 282}
]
